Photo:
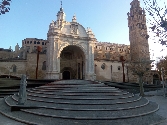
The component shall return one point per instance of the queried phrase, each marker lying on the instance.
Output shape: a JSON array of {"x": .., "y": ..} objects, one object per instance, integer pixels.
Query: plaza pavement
[
  {"x": 157, "y": 96},
  {"x": 154, "y": 96}
]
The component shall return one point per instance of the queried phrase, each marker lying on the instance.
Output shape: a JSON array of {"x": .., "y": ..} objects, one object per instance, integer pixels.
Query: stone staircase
[{"x": 70, "y": 102}]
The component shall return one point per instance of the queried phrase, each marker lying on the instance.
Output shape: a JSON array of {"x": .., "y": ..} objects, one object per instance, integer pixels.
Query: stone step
[
  {"x": 32, "y": 119},
  {"x": 89, "y": 114},
  {"x": 84, "y": 102},
  {"x": 76, "y": 87},
  {"x": 23, "y": 117},
  {"x": 92, "y": 114},
  {"x": 77, "y": 94},
  {"x": 72, "y": 85},
  {"x": 79, "y": 89},
  {"x": 82, "y": 97},
  {"x": 8, "y": 90},
  {"x": 78, "y": 82},
  {"x": 140, "y": 103},
  {"x": 88, "y": 103}
]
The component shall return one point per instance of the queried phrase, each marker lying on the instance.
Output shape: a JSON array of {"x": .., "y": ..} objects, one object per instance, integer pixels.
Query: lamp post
[
  {"x": 38, "y": 50},
  {"x": 127, "y": 72},
  {"x": 123, "y": 60}
]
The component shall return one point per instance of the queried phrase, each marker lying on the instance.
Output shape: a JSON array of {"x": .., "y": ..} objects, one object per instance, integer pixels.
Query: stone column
[
  {"x": 49, "y": 57},
  {"x": 55, "y": 60},
  {"x": 90, "y": 62},
  {"x": 22, "y": 91}
]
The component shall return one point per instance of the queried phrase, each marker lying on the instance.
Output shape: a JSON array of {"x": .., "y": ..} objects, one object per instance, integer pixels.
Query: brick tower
[{"x": 138, "y": 36}]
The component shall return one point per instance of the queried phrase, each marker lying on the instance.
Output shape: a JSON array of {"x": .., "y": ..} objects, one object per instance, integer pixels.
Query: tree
[
  {"x": 157, "y": 20},
  {"x": 4, "y": 6},
  {"x": 162, "y": 71},
  {"x": 140, "y": 68},
  {"x": 162, "y": 63}
]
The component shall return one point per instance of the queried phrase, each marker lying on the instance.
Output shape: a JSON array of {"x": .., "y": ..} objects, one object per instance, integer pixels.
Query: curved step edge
[
  {"x": 17, "y": 119},
  {"x": 89, "y": 118},
  {"x": 135, "y": 100},
  {"x": 70, "y": 109},
  {"x": 66, "y": 98}
]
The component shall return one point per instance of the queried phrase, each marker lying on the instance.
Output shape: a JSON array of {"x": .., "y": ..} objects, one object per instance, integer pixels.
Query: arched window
[
  {"x": 119, "y": 68},
  {"x": 13, "y": 68},
  {"x": 44, "y": 65},
  {"x": 103, "y": 66}
]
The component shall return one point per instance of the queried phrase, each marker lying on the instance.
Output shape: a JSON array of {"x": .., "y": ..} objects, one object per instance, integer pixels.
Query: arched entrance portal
[{"x": 72, "y": 63}]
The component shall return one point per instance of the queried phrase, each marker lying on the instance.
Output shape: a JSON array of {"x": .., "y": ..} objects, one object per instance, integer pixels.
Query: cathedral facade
[{"x": 73, "y": 52}]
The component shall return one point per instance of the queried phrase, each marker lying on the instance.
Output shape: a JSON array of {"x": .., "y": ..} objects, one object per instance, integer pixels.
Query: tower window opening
[
  {"x": 111, "y": 68},
  {"x": 14, "y": 68}
]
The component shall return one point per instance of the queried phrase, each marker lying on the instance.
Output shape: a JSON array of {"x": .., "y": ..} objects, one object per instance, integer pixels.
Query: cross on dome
[
  {"x": 74, "y": 19},
  {"x": 61, "y": 9}
]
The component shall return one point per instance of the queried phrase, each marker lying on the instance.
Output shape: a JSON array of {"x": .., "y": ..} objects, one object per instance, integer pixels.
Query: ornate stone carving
[{"x": 74, "y": 29}]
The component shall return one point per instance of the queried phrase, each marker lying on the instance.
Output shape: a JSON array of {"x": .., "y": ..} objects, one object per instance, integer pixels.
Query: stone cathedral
[{"x": 73, "y": 52}]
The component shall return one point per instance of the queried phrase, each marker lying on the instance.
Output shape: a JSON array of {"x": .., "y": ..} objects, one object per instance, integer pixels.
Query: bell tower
[
  {"x": 60, "y": 17},
  {"x": 138, "y": 36}
]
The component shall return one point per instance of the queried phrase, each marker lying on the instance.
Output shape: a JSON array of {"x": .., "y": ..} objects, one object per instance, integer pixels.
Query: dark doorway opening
[
  {"x": 156, "y": 79},
  {"x": 66, "y": 75}
]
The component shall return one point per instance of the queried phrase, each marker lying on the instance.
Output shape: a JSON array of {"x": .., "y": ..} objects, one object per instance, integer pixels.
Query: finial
[
  {"x": 74, "y": 19},
  {"x": 61, "y": 9}
]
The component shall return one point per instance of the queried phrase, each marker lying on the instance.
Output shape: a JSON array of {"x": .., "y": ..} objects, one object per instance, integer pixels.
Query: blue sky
[{"x": 31, "y": 19}]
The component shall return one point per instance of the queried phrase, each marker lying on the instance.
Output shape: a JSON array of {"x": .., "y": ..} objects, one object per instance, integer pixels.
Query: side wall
[
  {"x": 114, "y": 74},
  {"x": 27, "y": 67},
  {"x": 6, "y": 67},
  {"x": 32, "y": 64}
]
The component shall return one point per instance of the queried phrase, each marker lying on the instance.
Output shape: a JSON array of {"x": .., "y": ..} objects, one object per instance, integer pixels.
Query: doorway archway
[
  {"x": 72, "y": 58},
  {"x": 66, "y": 75}
]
